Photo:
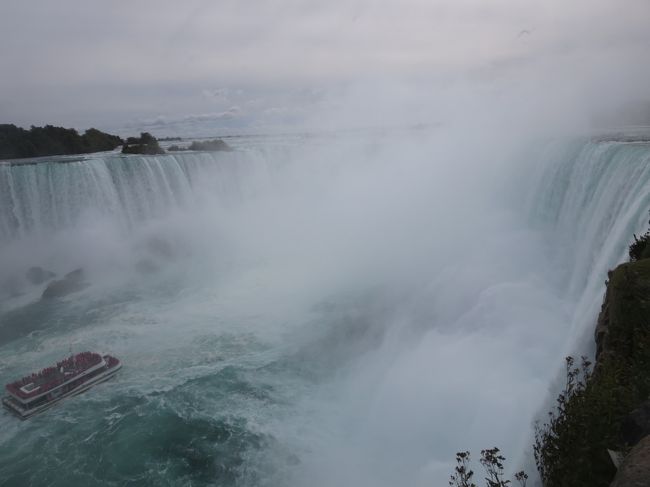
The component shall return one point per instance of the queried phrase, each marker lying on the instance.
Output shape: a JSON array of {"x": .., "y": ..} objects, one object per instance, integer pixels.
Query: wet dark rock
[
  {"x": 636, "y": 425},
  {"x": 635, "y": 469},
  {"x": 71, "y": 282},
  {"x": 75, "y": 275},
  {"x": 37, "y": 275}
]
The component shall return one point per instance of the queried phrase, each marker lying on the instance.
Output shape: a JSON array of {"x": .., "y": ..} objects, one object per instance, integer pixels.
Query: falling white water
[{"x": 320, "y": 311}]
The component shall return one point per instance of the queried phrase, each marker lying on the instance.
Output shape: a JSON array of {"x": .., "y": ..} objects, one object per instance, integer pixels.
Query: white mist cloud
[{"x": 159, "y": 59}]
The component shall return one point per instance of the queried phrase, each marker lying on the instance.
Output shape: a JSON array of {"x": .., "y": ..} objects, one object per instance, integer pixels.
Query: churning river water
[{"x": 306, "y": 310}]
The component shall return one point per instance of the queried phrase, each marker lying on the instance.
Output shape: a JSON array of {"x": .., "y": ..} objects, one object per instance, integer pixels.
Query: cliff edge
[
  {"x": 601, "y": 421},
  {"x": 622, "y": 367}
]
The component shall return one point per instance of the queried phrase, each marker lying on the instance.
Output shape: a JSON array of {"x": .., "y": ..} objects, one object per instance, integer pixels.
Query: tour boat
[{"x": 71, "y": 376}]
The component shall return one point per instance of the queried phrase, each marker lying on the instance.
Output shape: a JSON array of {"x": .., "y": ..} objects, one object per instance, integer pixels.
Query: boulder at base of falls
[
  {"x": 71, "y": 282},
  {"x": 37, "y": 275}
]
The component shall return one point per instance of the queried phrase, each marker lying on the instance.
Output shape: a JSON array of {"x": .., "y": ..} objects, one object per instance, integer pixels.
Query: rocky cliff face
[
  {"x": 603, "y": 412},
  {"x": 622, "y": 369},
  {"x": 635, "y": 469},
  {"x": 623, "y": 326}
]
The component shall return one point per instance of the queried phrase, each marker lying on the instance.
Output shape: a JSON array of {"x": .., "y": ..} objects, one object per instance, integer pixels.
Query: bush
[
  {"x": 571, "y": 447},
  {"x": 176, "y": 148},
  {"x": 639, "y": 249},
  {"x": 145, "y": 144},
  {"x": 492, "y": 462},
  {"x": 210, "y": 145},
  {"x": 16, "y": 142}
]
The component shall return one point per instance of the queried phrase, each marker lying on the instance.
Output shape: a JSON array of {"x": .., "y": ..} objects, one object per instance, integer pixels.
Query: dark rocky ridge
[
  {"x": 38, "y": 275},
  {"x": 621, "y": 379},
  {"x": 72, "y": 282},
  {"x": 636, "y": 425},
  {"x": 635, "y": 469}
]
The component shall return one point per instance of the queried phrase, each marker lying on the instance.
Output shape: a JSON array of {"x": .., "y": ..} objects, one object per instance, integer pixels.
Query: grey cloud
[
  {"x": 162, "y": 121},
  {"x": 222, "y": 95},
  {"x": 287, "y": 53}
]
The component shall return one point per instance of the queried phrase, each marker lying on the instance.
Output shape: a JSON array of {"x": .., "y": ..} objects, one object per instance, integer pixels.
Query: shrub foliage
[
  {"x": 492, "y": 462},
  {"x": 639, "y": 249},
  {"x": 571, "y": 446},
  {"x": 145, "y": 144},
  {"x": 16, "y": 142}
]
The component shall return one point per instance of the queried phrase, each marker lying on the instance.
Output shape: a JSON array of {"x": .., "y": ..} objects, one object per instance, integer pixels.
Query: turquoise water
[{"x": 305, "y": 311}]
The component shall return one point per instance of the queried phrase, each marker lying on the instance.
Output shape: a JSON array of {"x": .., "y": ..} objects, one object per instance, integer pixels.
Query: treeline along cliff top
[{"x": 16, "y": 142}]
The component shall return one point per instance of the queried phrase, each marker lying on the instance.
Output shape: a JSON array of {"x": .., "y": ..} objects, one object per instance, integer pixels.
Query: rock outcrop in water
[
  {"x": 16, "y": 142},
  {"x": 210, "y": 145},
  {"x": 207, "y": 145},
  {"x": 145, "y": 144},
  {"x": 38, "y": 275},
  {"x": 14, "y": 285},
  {"x": 72, "y": 282}
]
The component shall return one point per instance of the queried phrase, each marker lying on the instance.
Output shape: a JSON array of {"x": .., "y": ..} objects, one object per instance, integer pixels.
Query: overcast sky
[{"x": 262, "y": 65}]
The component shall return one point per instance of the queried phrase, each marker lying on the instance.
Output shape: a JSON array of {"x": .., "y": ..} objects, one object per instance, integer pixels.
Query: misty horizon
[{"x": 294, "y": 65}]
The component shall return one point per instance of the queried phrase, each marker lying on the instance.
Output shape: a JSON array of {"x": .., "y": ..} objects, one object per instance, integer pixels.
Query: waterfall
[
  {"x": 591, "y": 196},
  {"x": 53, "y": 195},
  {"x": 370, "y": 307}
]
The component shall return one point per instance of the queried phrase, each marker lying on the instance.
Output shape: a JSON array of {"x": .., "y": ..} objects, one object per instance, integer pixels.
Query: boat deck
[{"x": 69, "y": 379}]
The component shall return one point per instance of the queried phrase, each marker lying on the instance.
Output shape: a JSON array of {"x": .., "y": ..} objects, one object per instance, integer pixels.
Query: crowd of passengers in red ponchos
[{"x": 75, "y": 363}]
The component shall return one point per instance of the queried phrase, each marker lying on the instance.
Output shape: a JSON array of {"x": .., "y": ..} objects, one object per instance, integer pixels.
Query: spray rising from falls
[
  {"x": 91, "y": 212},
  {"x": 42, "y": 198},
  {"x": 324, "y": 312}
]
